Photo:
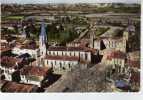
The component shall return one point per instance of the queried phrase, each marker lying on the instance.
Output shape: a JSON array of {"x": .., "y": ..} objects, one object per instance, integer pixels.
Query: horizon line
[{"x": 69, "y": 1}]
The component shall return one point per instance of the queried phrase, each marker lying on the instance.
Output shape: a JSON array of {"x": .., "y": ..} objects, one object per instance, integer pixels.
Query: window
[
  {"x": 86, "y": 56},
  {"x": 63, "y": 68},
  {"x": 69, "y": 66},
  {"x": 51, "y": 64},
  {"x": 60, "y": 64}
]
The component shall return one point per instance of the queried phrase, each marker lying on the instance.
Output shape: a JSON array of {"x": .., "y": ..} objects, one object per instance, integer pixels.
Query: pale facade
[
  {"x": 33, "y": 74},
  {"x": 7, "y": 72},
  {"x": 81, "y": 54},
  {"x": 19, "y": 51},
  {"x": 9, "y": 66},
  {"x": 116, "y": 44},
  {"x": 28, "y": 80},
  {"x": 60, "y": 64}
]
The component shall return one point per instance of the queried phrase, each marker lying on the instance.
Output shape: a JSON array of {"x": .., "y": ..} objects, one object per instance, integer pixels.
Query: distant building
[
  {"x": 81, "y": 43},
  {"x": 115, "y": 43},
  {"x": 33, "y": 74},
  {"x": 9, "y": 65},
  {"x": 81, "y": 53},
  {"x": 117, "y": 59},
  {"x": 30, "y": 47},
  {"x": 5, "y": 49},
  {"x": 61, "y": 64},
  {"x": 133, "y": 60},
  {"x": 12, "y": 87}
]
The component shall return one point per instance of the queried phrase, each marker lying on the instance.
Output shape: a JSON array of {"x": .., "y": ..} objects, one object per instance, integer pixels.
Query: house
[
  {"x": 80, "y": 52},
  {"x": 5, "y": 50},
  {"x": 33, "y": 74},
  {"x": 12, "y": 87},
  {"x": 117, "y": 60},
  {"x": 78, "y": 43},
  {"x": 4, "y": 46},
  {"x": 133, "y": 60},
  {"x": 115, "y": 43},
  {"x": 133, "y": 64},
  {"x": 9, "y": 65},
  {"x": 61, "y": 63},
  {"x": 30, "y": 47}
]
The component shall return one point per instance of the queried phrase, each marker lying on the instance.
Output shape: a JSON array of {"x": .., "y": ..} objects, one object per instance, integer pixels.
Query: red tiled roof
[
  {"x": 34, "y": 71},
  {"x": 57, "y": 48},
  {"x": 75, "y": 49},
  {"x": 62, "y": 48},
  {"x": 132, "y": 63},
  {"x": 116, "y": 54},
  {"x": 135, "y": 77},
  {"x": 3, "y": 44},
  {"x": 4, "y": 49},
  {"x": 65, "y": 58},
  {"x": 9, "y": 61},
  {"x": 28, "y": 45},
  {"x": 17, "y": 87}
]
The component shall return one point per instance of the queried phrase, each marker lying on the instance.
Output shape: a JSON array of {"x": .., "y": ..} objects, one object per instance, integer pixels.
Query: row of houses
[{"x": 18, "y": 70}]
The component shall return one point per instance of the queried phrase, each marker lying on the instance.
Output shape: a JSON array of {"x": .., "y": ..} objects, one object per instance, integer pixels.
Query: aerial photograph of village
[{"x": 70, "y": 47}]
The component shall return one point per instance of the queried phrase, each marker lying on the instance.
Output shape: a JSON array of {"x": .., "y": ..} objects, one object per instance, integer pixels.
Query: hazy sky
[{"x": 68, "y": 1}]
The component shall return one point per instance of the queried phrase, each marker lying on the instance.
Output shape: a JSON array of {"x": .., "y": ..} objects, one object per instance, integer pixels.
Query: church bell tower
[{"x": 42, "y": 44}]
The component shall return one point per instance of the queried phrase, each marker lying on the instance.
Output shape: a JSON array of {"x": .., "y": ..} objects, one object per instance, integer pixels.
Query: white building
[
  {"x": 115, "y": 43},
  {"x": 81, "y": 53},
  {"x": 33, "y": 74},
  {"x": 117, "y": 60},
  {"x": 61, "y": 63},
  {"x": 30, "y": 48},
  {"x": 9, "y": 65}
]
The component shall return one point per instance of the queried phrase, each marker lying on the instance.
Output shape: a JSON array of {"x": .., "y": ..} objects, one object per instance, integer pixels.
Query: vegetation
[
  {"x": 13, "y": 18},
  {"x": 100, "y": 31},
  {"x": 62, "y": 35},
  {"x": 118, "y": 9}
]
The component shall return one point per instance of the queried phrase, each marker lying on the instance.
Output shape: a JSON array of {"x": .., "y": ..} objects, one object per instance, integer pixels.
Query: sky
[{"x": 67, "y": 1}]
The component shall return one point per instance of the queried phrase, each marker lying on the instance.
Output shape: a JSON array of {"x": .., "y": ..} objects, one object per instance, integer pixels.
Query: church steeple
[
  {"x": 42, "y": 42},
  {"x": 43, "y": 36}
]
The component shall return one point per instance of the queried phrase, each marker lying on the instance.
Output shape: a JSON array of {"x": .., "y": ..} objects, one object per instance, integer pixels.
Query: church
[{"x": 60, "y": 58}]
